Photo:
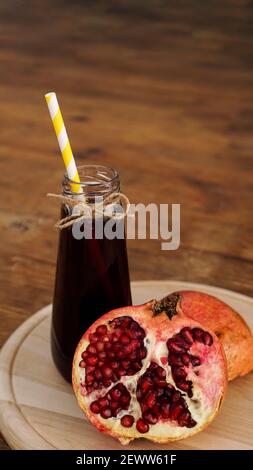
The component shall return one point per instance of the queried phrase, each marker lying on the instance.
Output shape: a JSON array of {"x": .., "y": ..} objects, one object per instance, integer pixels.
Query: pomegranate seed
[
  {"x": 114, "y": 364},
  {"x": 138, "y": 394},
  {"x": 95, "y": 385},
  {"x": 137, "y": 365},
  {"x": 168, "y": 390},
  {"x": 105, "y": 339},
  {"x": 132, "y": 356},
  {"x": 150, "y": 399},
  {"x": 207, "y": 339},
  {"x": 82, "y": 364},
  {"x": 91, "y": 349},
  {"x": 170, "y": 387},
  {"x": 120, "y": 372},
  {"x": 156, "y": 409},
  {"x": 92, "y": 360},
  {"x": 89, "y": 378},
  {"x": 132, "y": 346},
  {"x": 107, "y": 413},
  {"x": 90, "y": 369},
  {"x": 144, "y": 407},
  {"x": 191, "y": 423},
  {"x": 133, "y": 334},
  {"x": 175, "y": 396},
  {"x": 124, "y": 340},
  {"x": 164, "y": 360},
  {"x": 107, "y": 346},
  {"x": 125, "y": 364},
  {"x": 111, "y": 354},
  {"x": 122, "y": 322},
  {"x": 101, "y": 355},
  {"x": 179, "y": 372},
  {"x": 106, "y": 372},
  {"x": 101, "y": 330},
  {"x": 103, "y": 402},
  {"x": 142, "y": 353},
  {"x": 160, "y": 382},
  {"x": 159, "y": 392},
  {"x": 141, "y": 426},
  {"x": 198, "y": 334},
  {"x": 99, "y": 346},
  {"x": 174, "y": 347},
  {"x": 121, "y": 387},
  {"x": 136, "y": 326},
  {"x": 165, "y": 410},
  {"x": 116, "y": 347},
  {"x": 127, "y": 421},
  {"x": 146, "y": 384},
  {"x": 116, "y": 412},
  {"x": 125, "y": 400},
  {"x": 150, "y": 417},
  {"x": 93, "y": 338},
  {"x": 106, "y": 382},
  {"x": 187, "y": 335},
  {"x": 175, "y": 360},
  {"x": 195, "y": 360},
  {"x": 114, "y": 405},
  {"x": 98, "y": 374},
  {"x": 141, "y": 333},
  {"x": 184, "y": 418},
  {"x": 185, "y": 386},
  {"x": 175, "y": 411},
  {"x": 184, "y": 343},
  {"x": 115, "y": 337},
  {"x": 100, "y": 363},
  {"x": 84, "y": 354},
  {"x": 161, "y": 373},
  {"x": 185, "y": 359},
  {"x": 115, "y": 393},
  {"x": 95, "y": 408}
]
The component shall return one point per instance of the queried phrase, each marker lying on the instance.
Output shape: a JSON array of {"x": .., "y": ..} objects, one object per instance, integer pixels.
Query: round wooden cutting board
[{"x": 39, "y": 411}]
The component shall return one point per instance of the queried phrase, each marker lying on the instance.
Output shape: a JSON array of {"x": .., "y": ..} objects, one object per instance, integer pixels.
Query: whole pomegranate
[
  {"x": 149, "y": 371},
  {"x": 226, "y": 323}
]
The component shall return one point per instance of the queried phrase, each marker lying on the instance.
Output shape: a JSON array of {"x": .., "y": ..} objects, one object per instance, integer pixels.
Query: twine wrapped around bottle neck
[{"x": 82, "y": 210}]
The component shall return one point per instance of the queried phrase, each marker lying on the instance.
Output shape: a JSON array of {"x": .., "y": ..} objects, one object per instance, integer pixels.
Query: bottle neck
[{"x": 95, "y": 181}]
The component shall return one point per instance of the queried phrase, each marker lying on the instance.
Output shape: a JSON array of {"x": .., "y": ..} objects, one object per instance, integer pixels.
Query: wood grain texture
[
  {"x": 38, "y": 409},
  {"x": 160, "y": 90}
]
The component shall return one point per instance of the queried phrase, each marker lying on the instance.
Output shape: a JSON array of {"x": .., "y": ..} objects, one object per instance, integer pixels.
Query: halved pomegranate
[
  {"x": 226, "y": 323},
  {"x": 149, "y": 371}
]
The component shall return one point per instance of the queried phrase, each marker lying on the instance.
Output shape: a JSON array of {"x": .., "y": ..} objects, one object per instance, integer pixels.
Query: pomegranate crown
[{"x": 167, "y": 305}]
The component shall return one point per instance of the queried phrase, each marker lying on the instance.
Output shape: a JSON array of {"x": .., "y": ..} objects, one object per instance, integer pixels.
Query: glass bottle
[{"x": 92, "y": 275}]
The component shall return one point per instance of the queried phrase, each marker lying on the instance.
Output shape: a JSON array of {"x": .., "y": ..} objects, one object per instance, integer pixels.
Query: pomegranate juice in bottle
[{"x": 92, "y": 274}]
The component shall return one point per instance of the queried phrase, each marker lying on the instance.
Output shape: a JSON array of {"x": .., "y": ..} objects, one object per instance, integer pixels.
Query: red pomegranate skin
[{"x": 160, "y": 369}]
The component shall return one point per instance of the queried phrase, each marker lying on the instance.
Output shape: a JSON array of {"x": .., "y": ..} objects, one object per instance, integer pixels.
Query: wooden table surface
[{"x": 160, "y": 90}]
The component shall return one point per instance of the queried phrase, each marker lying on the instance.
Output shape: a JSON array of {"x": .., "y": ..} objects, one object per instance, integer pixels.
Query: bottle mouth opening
[{"x": 95, "y": 180}]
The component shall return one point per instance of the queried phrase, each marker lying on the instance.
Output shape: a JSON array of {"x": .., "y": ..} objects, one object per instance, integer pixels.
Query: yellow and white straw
[{"x": 63, "y": 140}]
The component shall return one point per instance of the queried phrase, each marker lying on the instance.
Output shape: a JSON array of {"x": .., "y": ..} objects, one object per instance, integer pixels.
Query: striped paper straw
[{"x": 63, "y": 140}]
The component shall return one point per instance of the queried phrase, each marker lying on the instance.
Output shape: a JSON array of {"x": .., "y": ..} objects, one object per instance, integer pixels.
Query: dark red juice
[{"x": 92, "y": 278}]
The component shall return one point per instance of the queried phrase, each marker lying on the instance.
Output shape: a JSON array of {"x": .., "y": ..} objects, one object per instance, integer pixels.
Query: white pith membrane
[{"x": 208, "y": 382}]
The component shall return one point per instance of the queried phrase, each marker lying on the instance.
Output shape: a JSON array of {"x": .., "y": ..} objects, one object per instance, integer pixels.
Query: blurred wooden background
[{"x": 160, "y": 90}]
